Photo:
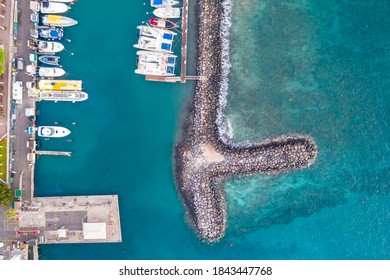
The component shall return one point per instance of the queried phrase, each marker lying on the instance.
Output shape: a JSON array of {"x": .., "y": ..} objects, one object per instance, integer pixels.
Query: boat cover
[
  {"x": 165, "y": 46},
  {"x": 54, "y": 19},
  {"x": 157, "y": 2},
  {"x": 168, "y": 36}
]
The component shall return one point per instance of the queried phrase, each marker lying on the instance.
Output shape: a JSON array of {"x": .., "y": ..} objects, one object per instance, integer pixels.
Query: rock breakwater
[{"x": 203, "y": 159}]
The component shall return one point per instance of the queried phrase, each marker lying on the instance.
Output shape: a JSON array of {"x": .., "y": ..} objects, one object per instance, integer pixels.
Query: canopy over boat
[{"x": 57, "y": 20}]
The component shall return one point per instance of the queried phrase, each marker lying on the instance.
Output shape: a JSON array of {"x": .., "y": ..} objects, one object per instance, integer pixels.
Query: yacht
[
  {"x": 51, "y": 72},
  {"x": 56, "y": 20},
  {"x": 48, "y": 47},
  {"x": 49, "y": 59},
  {"x": 155, "y": 64},
  {"x": 51, "y": 33},
  {"x": 162, "y": 23},
  {"x": 53, "y": 131},
  {"x": 64, "y": 85},
  {"x": 155, "y": 39},
  {"x": 70, "y": 96},
  {"x": 167, "y": 12},
  {"x": 53, "y": 8},
  {"x": 163, "y": 3}
]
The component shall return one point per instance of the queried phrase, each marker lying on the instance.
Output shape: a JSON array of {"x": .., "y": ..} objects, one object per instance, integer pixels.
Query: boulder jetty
[{"x": 204, "y": 159}]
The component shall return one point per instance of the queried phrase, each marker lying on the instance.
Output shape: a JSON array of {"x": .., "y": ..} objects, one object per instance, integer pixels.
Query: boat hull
[
  {"x": 50, "y": 47},
  {"x": 50, "y": 60},
  {"x": 68, "y": 96},
  {"x": 51, "y": 33},
  {"x": 53, "y": 8},
  {"x": 167, "y": 12},
  {"x": 53, "y": 131},
  {"x": 56, "y": 20},
  {"x": 163, "y": 3},
  {"x": 51, "y": 72}
]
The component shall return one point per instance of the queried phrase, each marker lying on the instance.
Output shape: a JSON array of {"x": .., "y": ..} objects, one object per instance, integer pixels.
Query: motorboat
[
  {"x": 155, "y": 63},
  {"x": 65, "y": 85},
  {"x": 70, "y": 96},
  {"x": 56, "y": 20},
  {"x": 155, "y": 39},
  {"x": 167, "y": 12},
  {"x": 51, "y": 72},
  {"x": 53, "y": 131},
  {"x": 48, "y": 47},
  {"x": 162, "y": 23},
  {"x": 163, "y": 3},
  {"x": 47, "y": 7},
  {"x": 49, "y": 59},
  {"x": 51, "y": 33}
]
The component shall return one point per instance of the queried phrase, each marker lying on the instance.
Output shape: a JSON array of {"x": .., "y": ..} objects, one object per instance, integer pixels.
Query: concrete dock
[{"x": 53, "y": 153}]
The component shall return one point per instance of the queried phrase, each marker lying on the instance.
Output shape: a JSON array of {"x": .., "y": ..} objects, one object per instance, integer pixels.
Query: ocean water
[{"x": 297, "y": 66}]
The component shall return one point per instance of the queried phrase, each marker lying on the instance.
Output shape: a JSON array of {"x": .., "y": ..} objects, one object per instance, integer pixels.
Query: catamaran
[
  {"x": 70, "y": 96},
  {"x": 51, "y": 33},
  {"x": 51, "y": 72},
  {"x": 162, "y": 23},
  {"x": 155, "y": 64},
  {"x": 53, "y": 8},
  {"x": 53, "y": 131},
  {"x": 48, "y": 47},
  {"x": 49, "y": 59},
  {"x": 56, "y": 20},
  {"x": 167, "y": 12},
  {"x": 163, "y": 3},
  {"x": 64, "y": 85},
  {"x": 155, "y": 39}
]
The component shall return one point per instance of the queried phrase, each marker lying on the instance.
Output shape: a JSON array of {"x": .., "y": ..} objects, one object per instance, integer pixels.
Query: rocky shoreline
[{"x": 203, "y": 159}]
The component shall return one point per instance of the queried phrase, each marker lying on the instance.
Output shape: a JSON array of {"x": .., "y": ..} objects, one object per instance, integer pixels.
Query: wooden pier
[{"x": 53, "y": 153}]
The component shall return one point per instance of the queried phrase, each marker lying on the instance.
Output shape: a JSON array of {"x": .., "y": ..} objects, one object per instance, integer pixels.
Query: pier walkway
[
  {"x": 53, "y": 153},
  {"x": 184, "y": 28}
]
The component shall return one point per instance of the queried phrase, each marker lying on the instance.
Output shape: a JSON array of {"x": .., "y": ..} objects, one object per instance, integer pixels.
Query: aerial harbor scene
[{"x": 194, "y": 130}]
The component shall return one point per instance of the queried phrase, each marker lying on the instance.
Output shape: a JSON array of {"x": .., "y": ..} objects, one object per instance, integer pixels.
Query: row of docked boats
[
  {"x": 155, "y": 41},
  {"x": 45, "y": 61}
]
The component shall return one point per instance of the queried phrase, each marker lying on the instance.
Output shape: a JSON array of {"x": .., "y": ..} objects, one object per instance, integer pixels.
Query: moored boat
[
  {"x": 53, "y": 131},
  {"x": 49, "y": 47},
  {"x": 56, "y": 20},
  {"x": 155, "y": 39},
  {"x": 51, "y": 33},
  {"x": 49, "y": 59},
  {"x": 51, "y": 72},
  {"x": 167, "y": 12},
  {"x": 65, "y": 85},
  {"x": 70, "y": 96},
  {"x": 163, "y": 3},
  {"x": 162, "y": 23},
  {"x": 53, "y": 8},
  {"x": 155, "y": 63}
]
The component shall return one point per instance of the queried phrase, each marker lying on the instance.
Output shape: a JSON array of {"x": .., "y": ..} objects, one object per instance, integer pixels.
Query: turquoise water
[{"x": 298, "y": 66}]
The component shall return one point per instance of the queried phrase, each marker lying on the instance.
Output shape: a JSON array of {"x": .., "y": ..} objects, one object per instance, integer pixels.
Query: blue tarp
[
  {"x": 168, "y": 36},
  {"x": 170, "y": 70},
  {"x": 171, "y": 60},
  {"x": 157, "y": 2},
  {"x": 166, "y": 46}
]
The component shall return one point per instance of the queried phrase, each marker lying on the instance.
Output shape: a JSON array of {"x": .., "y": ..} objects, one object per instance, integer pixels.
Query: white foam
[{"x": 226, "y": 23}]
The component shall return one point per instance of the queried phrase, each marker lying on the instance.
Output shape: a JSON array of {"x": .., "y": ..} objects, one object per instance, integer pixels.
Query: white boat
[
  {"x": 167, "y": 12},
  {"x": 71, "y": 96},
  {"x": 155, "y": 39},
  {"x": 49, "y": 47},
  {"x": 53, "y": 8},
  {"x": 155, "y": 64},
  {"x": 51, "y": 72},
  {"x": 56, "y": 20},
  {"x": 163, "y": 3},
  {"x": 52, "y": 131}
]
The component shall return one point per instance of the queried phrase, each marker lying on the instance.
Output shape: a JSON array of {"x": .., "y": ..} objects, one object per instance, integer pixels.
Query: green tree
[
  {"x": 11, "y": 213},
  {"x": 2, "y": 60},
  {"x": 6, "y": 196}
]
